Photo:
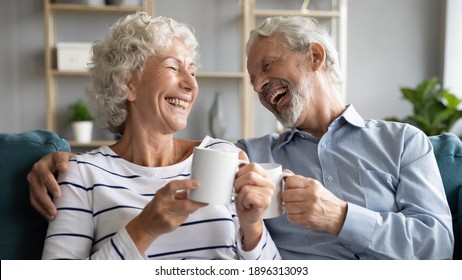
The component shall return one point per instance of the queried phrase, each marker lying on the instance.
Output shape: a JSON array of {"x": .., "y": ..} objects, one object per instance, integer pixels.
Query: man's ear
[{"x": 318, "y": 55}]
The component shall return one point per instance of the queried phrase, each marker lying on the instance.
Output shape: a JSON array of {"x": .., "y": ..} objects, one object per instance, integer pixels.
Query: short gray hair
[
  {"x": 299, "y": 32},
  {"x": 123, "y": 53}
]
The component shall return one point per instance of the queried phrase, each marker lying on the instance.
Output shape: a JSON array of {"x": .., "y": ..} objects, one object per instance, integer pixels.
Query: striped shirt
[{"x": 101, "y": 192}]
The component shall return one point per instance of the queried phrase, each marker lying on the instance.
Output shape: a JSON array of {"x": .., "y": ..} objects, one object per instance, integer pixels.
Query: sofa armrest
[
  {"x": 448, "y": 153},
  {"x": 22, "y": 229}
]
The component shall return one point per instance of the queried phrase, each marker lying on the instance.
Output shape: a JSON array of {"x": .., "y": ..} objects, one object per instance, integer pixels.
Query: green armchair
[
  {"x": 448, "y": 152},
  {"x": 22, "y": 229}
]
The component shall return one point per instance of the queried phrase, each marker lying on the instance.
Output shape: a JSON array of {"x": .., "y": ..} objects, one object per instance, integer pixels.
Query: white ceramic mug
[
  {"x": 275, "y": 170},
  {"x": 215, "y": 170}
]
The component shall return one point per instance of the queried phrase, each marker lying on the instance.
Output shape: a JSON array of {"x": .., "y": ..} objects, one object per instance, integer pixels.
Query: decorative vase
[
  {"x": 82, "y": 131},
  {"x": 216, "y": 121}
]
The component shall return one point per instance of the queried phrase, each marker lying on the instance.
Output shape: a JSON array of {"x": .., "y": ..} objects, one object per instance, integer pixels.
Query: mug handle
[
  {"x": 282, "y": 177},
  {"x": 242, "y": 161},
  {"x": 239, "y": 162},
  {"x": 285, "y": 175}
]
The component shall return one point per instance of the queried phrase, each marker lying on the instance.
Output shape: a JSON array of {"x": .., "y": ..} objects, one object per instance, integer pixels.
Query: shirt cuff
[
  {"x": 126, "y": 246},
  {"x": 359, "y": 226},
  {"x": 256, "y": 252}
]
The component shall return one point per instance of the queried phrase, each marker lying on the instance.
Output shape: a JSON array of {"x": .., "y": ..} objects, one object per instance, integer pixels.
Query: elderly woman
[{"x": 124, "y": 201}]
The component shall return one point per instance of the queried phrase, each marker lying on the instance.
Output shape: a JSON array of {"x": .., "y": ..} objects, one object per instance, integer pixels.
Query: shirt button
[
  {"x": 330, "y": 178},
  {"x": 323, "y": 145},
  {"x": 389, "y": 180}
]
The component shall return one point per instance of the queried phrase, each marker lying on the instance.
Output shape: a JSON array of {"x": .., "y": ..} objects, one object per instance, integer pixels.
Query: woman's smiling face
[{"x": 164, "y": 95}]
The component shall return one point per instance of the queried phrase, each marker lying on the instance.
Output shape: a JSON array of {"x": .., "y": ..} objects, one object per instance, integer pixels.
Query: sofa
[
  {"x": 22, "y": 229},
  {"x": 448, "y": 152}
]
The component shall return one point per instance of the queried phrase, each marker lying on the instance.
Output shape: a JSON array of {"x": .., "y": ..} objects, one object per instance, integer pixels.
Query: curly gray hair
[
  {"x": 123, "y": 53},
  {"x": 299, "y": 32}
]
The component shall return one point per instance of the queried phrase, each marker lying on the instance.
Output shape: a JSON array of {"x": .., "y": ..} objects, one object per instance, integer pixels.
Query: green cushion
[
  {"x": 22, "y": 229},
  {"x": 448, "y": 153}
]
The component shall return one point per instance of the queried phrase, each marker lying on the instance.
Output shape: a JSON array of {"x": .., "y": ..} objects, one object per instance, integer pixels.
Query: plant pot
[{"x": 82, "y": 131}]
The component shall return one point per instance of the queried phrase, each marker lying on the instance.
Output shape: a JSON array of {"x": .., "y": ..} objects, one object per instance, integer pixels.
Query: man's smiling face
[{"x": 280, "y": 76}]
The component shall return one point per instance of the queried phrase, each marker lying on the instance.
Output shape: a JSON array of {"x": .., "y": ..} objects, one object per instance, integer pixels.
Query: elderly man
[{"x": 362, "y": 189}]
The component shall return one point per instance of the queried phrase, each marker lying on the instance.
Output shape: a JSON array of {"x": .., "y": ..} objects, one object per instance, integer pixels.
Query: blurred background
[{"x": 389, "y": 44}]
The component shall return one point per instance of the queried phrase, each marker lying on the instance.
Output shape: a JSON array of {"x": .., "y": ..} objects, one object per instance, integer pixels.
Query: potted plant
[
  {"x": 82, "y": 121},
  {"x": 435, "y": 109}
]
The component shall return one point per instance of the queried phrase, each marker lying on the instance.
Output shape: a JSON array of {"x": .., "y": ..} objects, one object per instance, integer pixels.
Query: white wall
[
  {"x": 452, "y": 79},
  {"x": 391, "y": 43},
  {"x": 22, "y": 87},
  {"x": 453, "y": 47}
]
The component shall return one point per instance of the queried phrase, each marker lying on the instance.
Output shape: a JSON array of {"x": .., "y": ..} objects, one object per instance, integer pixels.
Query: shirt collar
[
  {"x": 287, "y": 136},
  {"x": 352, "y": 117},
  {"x": 349, "y": 115}
]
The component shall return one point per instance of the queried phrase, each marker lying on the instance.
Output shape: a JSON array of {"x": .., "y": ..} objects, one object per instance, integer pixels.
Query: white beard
[{"x": 300, "y": 94}]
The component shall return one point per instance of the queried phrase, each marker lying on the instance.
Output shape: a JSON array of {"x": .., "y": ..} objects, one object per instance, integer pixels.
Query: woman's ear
[
  {"x": 318, "y": 55},
  {"x": 131, "y": 86}
]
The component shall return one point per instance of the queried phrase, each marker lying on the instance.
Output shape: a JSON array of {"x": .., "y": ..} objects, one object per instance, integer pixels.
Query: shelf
[
  {"x": 76, "y": 8},
  {"x": 316, "y": 14}
]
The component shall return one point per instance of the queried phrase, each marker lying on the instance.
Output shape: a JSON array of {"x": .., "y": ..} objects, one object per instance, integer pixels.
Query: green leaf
[
  {"x": 79, "y": 112},
  {"x": 410, "y": 95},
  {"x": 452, "y": 100},
  {"x": 426, "y": 88},
  {"x": 435, "y": 109}
]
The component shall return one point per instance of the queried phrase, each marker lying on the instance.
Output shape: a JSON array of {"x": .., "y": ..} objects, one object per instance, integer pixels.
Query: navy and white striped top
[{"x": 102, "y": 192}]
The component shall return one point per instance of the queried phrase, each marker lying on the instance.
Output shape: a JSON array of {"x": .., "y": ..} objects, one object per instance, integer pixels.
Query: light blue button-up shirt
[{"x": 388, "y": 175}]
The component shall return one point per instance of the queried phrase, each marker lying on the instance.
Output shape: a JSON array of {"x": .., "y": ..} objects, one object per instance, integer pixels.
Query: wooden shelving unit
[
  {"x": 51, "y": 10},
  {"x": 247, "y": 14}
]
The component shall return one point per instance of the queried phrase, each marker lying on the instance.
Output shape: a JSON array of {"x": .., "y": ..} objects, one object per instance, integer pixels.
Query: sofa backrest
[
  {"x": 22, "y": 229},
  {"x": 448, "y": 152}
]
